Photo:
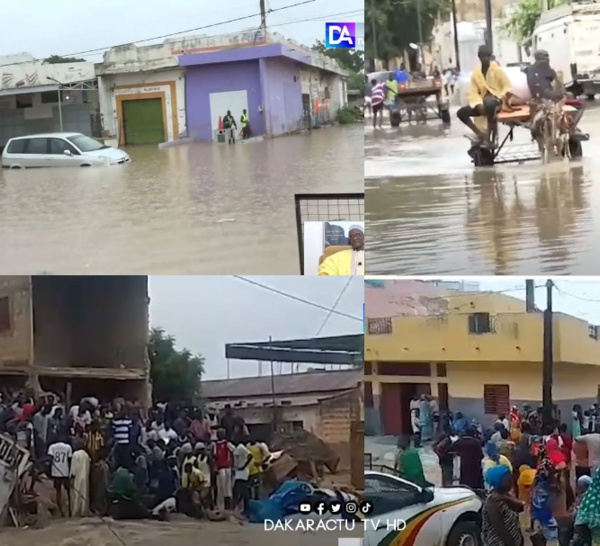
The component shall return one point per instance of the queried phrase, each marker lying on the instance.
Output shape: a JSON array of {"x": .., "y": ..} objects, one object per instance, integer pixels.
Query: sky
[
  {"x": 206, "y": 312},
  {"x": 72, "y": 26},
  {"x": 574, "y": 297}
]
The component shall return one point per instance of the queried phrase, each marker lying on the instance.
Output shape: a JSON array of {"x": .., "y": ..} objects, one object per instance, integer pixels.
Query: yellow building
[{"x": 480, "y": 355}]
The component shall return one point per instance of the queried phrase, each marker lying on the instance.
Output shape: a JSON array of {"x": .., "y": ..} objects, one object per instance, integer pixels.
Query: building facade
[
  {"x": 478, "y": 353},
  {"x": 163, "y": 92},
  {"x": 91, "y": 332},
  {"x": 38, "y": 97},
  {"x": 323, "y": 403}
]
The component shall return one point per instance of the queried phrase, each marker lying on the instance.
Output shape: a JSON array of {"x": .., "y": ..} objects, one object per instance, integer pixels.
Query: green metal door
[{"x": 143, "y": 121}]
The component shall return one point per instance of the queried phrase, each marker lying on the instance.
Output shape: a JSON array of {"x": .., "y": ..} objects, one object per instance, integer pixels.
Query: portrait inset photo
[{"x": 334, "y": 248}]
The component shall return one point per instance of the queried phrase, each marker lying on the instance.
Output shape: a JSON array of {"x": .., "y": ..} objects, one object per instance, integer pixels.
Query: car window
[
  {"x": 58, "y": 147},
  {"x": 389, "y": 495},
  {"x": 37, "y": 146},
  {"x": 17, "y": 146}
]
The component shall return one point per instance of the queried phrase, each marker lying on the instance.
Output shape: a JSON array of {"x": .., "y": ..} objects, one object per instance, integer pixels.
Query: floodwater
[
  {"x": 194, "y": 209},
  {"x": 94, "y": 532},
  {"x": 430, "y": 211}
]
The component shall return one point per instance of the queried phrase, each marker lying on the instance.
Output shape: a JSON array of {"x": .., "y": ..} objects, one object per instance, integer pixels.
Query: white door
[
  {"x": 58, "y": 147},
  {"x": 37, "y": 153},
  {"x": 235, "y": 101}
]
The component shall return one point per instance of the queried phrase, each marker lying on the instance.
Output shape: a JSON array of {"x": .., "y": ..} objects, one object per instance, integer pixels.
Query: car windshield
[{"x": 86, "y": 143}]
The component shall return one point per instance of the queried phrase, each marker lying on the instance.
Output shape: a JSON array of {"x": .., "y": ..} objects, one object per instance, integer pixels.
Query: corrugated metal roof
[{"x": 300, "y": 383}]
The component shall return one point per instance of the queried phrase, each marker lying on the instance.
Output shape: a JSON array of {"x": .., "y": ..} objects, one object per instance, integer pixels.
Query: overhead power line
[{"x": 296, "y": 298}]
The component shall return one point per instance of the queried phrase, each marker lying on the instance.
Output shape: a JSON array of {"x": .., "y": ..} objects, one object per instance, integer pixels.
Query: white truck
[{"x": 571, "y": 35}]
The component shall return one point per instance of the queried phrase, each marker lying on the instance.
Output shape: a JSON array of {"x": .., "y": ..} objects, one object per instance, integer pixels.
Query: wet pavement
[
  {"x": 430, "y": 211},
  {"x": 192, "y": 209}
]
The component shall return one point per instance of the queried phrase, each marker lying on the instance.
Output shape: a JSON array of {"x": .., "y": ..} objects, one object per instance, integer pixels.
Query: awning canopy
[
  {"x": 28, "y": 90},
  {"x": 347, "y": 349}
]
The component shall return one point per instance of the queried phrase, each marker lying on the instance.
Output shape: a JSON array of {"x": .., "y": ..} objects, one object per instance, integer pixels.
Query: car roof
[
  {"x": 46, "y": 135},
  {"x": 387, "y": 475}
]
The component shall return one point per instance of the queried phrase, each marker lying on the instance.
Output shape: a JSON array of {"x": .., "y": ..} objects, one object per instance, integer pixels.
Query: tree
[
  {"x": 175, "y": 373},
  {"x": 57, "y": 59},
  {"x": 352, "y": 60},
  {"x": 397, "y": 24},
  {"x": 521, "y": 23}
]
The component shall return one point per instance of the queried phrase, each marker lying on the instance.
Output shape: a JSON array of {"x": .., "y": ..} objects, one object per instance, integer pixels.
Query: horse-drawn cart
[
  {"x": 412, "y": 102},
  {"x": 506, "y": 151}
]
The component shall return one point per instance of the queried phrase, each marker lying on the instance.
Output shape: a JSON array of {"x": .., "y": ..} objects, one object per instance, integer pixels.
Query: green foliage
[
  {"x": 352, "y": 60},
  {"x": 347, "y": 114},
  {"x": 57, "y": 59},
  {"x": 356, "y": 82},
  {"x": 175, "y": 374},
  {"x": 397, "y": 24},
  {"x": 522, "y": 22}
]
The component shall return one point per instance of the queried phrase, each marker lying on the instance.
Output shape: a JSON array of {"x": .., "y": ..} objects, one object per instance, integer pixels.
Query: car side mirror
[
  {"x": 426, "y": 496},
  {"x": 68, "y": 152}
]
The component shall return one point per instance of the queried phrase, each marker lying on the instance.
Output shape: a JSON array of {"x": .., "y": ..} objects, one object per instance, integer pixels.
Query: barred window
[{"x": 379, "y": 326}]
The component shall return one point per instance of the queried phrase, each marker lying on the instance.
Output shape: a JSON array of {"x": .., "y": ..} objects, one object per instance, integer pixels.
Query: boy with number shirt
[{"x": 60, "y": 454}]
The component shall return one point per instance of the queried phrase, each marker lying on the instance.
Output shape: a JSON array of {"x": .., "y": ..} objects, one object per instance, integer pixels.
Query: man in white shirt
[
  {"x": 241, "y": 485},
  {"x": 60, "y": 455}
]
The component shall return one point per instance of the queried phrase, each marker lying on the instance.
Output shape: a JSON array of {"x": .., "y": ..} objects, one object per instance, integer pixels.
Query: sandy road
[{"x": 180, "y": 532}]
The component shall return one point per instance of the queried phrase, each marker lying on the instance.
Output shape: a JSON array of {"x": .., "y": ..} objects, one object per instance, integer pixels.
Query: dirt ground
[{"x": 182, "y": 532}]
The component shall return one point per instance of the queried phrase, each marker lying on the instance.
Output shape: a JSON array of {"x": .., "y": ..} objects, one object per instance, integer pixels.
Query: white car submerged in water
[
  {"x": 416, "y": 516},
  {"x": 59, "y": 150}
]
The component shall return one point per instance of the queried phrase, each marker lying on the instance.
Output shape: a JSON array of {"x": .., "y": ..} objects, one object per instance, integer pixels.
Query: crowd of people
[
  {"x": 121, "y": 461},
  {"x": 539, "y": 480}
]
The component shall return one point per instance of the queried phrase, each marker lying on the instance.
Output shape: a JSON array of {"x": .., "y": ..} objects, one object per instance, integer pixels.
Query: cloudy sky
[
  {"x": 204, "y": 313},
  {"x": 72, "y": 26}
]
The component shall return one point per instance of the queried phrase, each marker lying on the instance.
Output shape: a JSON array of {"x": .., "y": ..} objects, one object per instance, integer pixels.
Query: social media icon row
[{"x": 336, "y": 507}]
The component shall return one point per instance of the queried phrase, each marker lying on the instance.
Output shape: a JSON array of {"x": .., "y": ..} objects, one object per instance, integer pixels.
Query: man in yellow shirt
[
  {"x": 347, "y": 262},
  {"x": 489, "y": 88}
]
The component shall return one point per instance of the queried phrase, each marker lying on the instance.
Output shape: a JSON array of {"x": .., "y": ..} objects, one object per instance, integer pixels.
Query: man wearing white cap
[{"x": 347, "y": 262}]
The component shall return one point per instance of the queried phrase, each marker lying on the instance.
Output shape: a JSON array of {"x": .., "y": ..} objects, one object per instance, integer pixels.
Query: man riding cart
[{"x": 492, "y": 100}]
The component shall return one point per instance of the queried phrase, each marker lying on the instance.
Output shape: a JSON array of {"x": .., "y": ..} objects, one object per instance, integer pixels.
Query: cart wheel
[
  {"x": 395, "y": 118},
  {"x": 445, "y": 115},
  {"x": 575, "y": 148},
  {"x": 482, "y": 157},
  {"x": 591, "y": 96}
]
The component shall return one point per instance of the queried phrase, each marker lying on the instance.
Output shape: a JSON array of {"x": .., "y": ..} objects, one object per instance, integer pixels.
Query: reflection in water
[
  {"x": 429, "y": 211},
  {"x": 493, "y": 222},
  {"x": 201, "y": 208}
]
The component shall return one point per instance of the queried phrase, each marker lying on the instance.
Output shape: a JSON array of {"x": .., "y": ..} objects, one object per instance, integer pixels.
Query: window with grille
[
  {"x": 4, "y": 315},
  {"x": 496, "y": 399},
  {"x": 480, "y": 323},
  {"x": 379, "y": 326}
]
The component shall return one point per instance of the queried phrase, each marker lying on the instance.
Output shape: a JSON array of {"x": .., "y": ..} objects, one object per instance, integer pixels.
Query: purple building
[{"x": 263, "y": 80}]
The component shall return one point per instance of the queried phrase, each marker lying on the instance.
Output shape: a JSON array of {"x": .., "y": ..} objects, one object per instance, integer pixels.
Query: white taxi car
[{"x": 436, "y": 516}]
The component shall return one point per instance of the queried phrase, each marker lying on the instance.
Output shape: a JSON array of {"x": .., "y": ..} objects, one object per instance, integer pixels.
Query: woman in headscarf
[
  {"x": 500, "y": 512},
  {"x": 587, "y": 518},
  {"x": 515, "y": 424},
  {"x": 544, "y": 488},
  {"x": 494, "y": 458},
  {"x": 577, "y": 420},
  {"x": 460, "y": 424}
]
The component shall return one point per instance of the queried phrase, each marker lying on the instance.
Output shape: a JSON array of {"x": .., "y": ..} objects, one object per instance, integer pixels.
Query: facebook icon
[{"x": 340, "y": 35}]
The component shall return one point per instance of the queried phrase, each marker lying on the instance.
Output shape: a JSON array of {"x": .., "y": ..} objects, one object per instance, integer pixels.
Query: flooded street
[
  {"x": 193, "y": 209},
  {"x": 429, "y": 211},
  {"x": 94, "y": 532}
]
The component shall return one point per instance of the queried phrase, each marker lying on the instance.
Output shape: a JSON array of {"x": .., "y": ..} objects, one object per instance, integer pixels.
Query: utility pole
[
  {"x": 263, "y": 16},
  {"x": 420, "y": 27},
  {"x": 455, "y": 31},
  {"x": 489, "y": 38},
  {"x": 374, "y": 33},
  {"x": 547, "y": 418}
]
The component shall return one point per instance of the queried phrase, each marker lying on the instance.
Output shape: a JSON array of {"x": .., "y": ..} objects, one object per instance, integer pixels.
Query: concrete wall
[
  {"x": 169, "y": 82},
  {"x": 516, "y": 337},
  {"x": 218, "y": 78},
  {"x": 283, "y": 95},
  {"x": 15, "y": 344},
  {"x": 96, "y": 322}
]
